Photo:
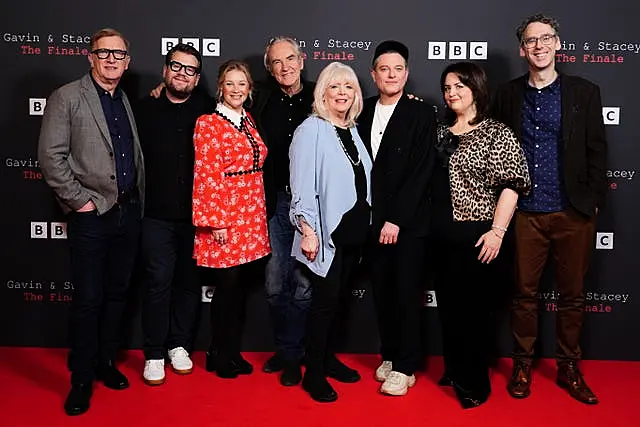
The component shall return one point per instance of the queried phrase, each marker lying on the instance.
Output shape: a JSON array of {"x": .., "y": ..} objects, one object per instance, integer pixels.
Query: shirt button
[
  {"x": 112, "y": 177},
  {"x": 289, "y": 118},
  {"x": 536, "y": 165},
  {"x": 537, "y": 146},
  {"x": 116, "y": 119},
  {"x": 124, "y": 173},
  {"x": 535, "y": 185},
  {"x": 537, "y": 127},
  {"x": 537, "y": 108}
]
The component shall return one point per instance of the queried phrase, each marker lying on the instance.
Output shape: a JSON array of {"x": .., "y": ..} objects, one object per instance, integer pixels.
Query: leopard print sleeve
[{"x": 506, "y": 165}]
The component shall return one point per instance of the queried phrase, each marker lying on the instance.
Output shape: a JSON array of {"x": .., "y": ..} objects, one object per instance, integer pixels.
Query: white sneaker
[
  {"x": 153, "y": 372},
  {"x": 383, "y": 371},
  {"x": 397, "y": 384},
  {"x": 180, "y": 361}
]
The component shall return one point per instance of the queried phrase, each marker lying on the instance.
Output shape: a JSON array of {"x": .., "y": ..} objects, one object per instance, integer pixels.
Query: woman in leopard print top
[{"x": 481, "y": 169}]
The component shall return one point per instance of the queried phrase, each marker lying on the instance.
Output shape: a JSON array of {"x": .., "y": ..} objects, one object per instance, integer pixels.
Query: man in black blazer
[
  {"x": 558, "y": 119},
  {"x": 278, "y": 107},
  {"x": 399, "y": 134}
]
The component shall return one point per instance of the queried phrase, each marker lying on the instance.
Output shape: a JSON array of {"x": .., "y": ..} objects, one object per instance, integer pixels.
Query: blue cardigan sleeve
[{"x": 302, "y": 170}]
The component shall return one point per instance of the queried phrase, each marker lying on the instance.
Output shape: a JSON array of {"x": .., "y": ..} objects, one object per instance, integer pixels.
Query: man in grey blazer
[{"x": 90, "y": 156}]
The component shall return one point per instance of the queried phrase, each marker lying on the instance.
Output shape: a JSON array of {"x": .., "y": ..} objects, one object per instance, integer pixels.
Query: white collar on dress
[{"x": 234, "y": 116}]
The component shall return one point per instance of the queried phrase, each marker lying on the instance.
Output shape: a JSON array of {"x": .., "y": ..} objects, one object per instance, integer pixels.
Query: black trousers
[
  {"x": 397, "y": 276},
  {"x": 172, "y": 290},
  {"x": 103, "y": 251},
  {"x": 466, "y": 290},
  {"x": 328, "y": 304},
  {"x": 228, "y": 306}
]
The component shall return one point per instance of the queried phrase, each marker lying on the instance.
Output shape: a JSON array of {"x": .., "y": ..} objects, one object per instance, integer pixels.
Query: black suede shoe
[
  {"x": 337, "y": 370},
  {"x": 222, "y": 366},
  {"x": 445, "y": 381},
  {"x": 241, "y": 365},
  {"x": 470, "y": 399},
  {"x": 274, "y": 364},
  {"x": 110, "y": 376},
  {"x": 78, "y": 399},
  {"x": 291, "y": 374},
  {"x": 319, "y": 388}
]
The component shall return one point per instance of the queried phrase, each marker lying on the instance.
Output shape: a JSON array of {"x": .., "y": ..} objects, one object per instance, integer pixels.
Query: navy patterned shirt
[
  {"x": 541, "y": 142},
  {"x": 121, "y": 137}
]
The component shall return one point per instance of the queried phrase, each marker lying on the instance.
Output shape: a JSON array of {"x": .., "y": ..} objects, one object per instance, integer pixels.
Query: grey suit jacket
[{"x": 75, "y": 149}]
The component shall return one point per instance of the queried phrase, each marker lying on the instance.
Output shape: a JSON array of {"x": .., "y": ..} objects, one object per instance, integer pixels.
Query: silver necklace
[{"x": 354, "y": 163}]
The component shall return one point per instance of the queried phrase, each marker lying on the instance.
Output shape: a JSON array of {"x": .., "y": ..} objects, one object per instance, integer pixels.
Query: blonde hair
[
  {"x": 331, "y": 73},
  {"x": 233, "y": 65}
]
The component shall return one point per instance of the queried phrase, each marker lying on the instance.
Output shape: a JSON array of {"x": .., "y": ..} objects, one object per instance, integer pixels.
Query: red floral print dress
[{"x": 228, "y": 192}]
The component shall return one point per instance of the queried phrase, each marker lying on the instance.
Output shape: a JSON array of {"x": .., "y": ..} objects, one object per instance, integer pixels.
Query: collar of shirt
[
  {"x": 234, "y": 116},
  {"x": 553, "y": 87},
  {"x": 117, "y": 93}
]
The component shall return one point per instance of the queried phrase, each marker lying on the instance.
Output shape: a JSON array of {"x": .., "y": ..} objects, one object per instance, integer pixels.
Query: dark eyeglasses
[
  {"x": 545, "y": 39},
  {"x": 189, "y": 70},
  {"x": 118, "y": 54}
]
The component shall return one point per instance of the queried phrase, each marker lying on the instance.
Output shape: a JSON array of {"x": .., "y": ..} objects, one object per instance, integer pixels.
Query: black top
[
  {"x": 166, "y": 136},
  {"x": 354, "y": 224},
  {"x": 121, "y": 137},
  {"x": 282, "y": 115}
]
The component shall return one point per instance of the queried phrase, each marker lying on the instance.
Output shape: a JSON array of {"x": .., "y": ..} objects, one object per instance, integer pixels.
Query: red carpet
[{"x": 34, "y": 383}]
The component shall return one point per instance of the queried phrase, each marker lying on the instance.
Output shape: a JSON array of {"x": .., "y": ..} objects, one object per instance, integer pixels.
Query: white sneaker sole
[
  {"x": 182, "y": 371},
  {"x": 154, "y": 382}
]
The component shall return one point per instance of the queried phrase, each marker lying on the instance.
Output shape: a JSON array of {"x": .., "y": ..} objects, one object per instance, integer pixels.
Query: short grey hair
[
  {"x": 538, "y": 17},
  {"x": 278, "y": 39},
  {"x": 331, "y": 73}
]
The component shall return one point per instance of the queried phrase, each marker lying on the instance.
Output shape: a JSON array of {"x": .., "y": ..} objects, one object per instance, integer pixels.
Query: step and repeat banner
[{"x": 44, "y": 44}]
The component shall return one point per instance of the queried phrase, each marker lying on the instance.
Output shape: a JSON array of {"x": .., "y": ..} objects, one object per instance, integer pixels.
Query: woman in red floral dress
[{"x": 229, "y": 212}]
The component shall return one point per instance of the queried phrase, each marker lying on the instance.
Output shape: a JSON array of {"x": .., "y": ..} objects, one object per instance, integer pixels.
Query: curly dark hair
[{"x": 538, "y": 17}]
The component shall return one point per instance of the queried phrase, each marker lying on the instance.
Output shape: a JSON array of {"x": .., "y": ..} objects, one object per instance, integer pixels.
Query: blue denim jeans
[{"x": 288, "y": 291}]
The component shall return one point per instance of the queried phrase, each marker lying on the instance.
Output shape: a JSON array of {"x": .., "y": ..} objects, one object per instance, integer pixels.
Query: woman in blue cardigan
[{"x": 330, "y": 207}]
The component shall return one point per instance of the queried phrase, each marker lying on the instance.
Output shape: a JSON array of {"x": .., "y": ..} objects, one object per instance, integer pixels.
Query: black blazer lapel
[
  {"x": 365, "y": 122},
  {"x": 569, "y": 107},
  {"x": 397, "y": 122}
]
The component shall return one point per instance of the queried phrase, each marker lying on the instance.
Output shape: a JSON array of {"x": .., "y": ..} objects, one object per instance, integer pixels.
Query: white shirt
[
  {"x": 380, "y": 120},
  {"x": 234, "y": 116}
]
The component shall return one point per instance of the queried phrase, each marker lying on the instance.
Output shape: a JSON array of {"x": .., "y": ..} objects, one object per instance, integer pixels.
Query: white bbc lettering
[
  {"x": 39, "y": 230},
  {"x": 457, "y": 50},
  {"x": 36, "y": 106},
  {"x": 611, "y": 115},
  {"x": 604, "y": 240},
  {"x": 207, "y": 293},
  {"x": 206, "y": 46},
  {"x": 58, "y": 230},
  {"x": 430, "y": 299},
  {"x": 45, "y": 230}
]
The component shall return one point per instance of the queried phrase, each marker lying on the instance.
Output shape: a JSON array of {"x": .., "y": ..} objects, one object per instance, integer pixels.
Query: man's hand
[
  {"x": 88, "y": 207},
  {"x": 157, "y": 91},
  {"x": 310, "y": 246},
  {"x": 389, "y": 234}
]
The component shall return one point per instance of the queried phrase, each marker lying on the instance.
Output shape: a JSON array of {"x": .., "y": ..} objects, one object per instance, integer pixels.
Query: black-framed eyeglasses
[
  {"x": 118, "y": 54},
  {"x": 189, "y": 70},
  {"x": 545, "y": 39}
]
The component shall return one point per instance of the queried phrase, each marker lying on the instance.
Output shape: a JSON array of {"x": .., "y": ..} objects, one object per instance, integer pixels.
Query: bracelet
[
  {"x": 499, "y": 236},
  {"x": 497, "y": 227}
]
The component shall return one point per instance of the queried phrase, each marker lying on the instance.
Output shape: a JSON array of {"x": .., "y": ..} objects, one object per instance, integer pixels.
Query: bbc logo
[
  {"x": 208, "y": 47},
  {"x": 44, "y": 230},
  {"x": 36, "y": 106},
  {"x": 611, "y": 115},
  {"x": 604, "y": 240},
  {"x": 430, "y": 299},
  {"x": 457, "y": 50},
  {"x": 207, "y": 293}
]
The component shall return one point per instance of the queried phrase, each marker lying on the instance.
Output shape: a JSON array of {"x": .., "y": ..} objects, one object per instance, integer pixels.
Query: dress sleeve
[
  {"x": 506, "y": 164},
  {"x": 210, "y": 195},
  {"x": 302, "y": 170}
]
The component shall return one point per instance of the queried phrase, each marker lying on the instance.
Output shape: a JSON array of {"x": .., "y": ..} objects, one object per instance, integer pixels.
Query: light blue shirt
[{"x": 322, "y": 186}]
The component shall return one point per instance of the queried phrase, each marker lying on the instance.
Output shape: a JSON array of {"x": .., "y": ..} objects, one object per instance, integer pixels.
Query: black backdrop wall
[{"x": 44, "y": 45}]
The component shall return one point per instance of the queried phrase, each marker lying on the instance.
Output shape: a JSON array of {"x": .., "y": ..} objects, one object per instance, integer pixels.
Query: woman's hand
[
  {"x": 491, "y": 242},
  {"x": 310, "y": 245},
  {"x": 157, "y": 91},
  {"x": 220, "y": 235}
]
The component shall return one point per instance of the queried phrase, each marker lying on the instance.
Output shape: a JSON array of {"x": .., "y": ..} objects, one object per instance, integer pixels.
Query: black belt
[{"x": 127, "y": 197}]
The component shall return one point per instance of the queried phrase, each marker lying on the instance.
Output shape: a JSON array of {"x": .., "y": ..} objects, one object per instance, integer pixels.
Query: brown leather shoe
[
  {"x": 520, "y": 382},
  {"x": 570, "y": 378}
]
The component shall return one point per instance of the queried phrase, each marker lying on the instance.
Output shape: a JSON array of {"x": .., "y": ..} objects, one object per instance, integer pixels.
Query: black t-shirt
[{"x": 354, "y": 224}]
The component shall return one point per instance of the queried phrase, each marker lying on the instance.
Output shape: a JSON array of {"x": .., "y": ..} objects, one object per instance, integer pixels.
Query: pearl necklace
[{"x": 354, "y": 163}]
